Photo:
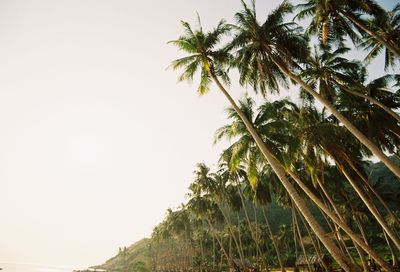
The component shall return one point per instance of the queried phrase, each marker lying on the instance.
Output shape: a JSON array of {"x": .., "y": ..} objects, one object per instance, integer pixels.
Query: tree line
[{"x": 310, "y": 153}]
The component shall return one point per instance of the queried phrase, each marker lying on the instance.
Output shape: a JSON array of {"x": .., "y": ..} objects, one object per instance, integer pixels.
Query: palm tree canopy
[
  {"x": 328, "y": 71},
  {"x": 257, "y": 46},
  {"x": 328, "y": 22},
  {"x": 203, "y": 56},
  {"x": 388, "y": 27}
]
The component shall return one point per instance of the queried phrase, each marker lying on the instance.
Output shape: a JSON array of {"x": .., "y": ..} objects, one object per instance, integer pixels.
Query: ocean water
[{"x": 13, "y": 267}]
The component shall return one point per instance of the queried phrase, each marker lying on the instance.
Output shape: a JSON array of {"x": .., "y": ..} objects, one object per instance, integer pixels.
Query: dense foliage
[{"x": 309, "y": 157}]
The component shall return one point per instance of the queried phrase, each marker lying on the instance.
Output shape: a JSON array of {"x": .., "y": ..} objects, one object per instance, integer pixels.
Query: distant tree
[{"x": 138, "y": 266}]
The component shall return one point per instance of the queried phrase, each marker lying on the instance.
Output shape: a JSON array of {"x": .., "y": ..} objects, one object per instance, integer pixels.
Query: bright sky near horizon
[{"x": 96, "y": 138}]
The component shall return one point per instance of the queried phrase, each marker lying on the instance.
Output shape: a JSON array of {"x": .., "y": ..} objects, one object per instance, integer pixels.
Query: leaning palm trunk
[
  {"x": 239, "y": 233},
  {"x": 340, "y": 223},
  {"x": 256, "y": 234},
  {"x": 330, "y": 200},
  {"x": 315, "y": 245},
  {"x": 201, "y": 254},
  {"x": 372, "y": 190},
  {"x": 232, "y": 234},
  {"x": 301, "y": 238},
  {"x": 275, "y": 244},
  {"x": 342, "y": 260},
  {"x": 361, "y": 25},
  {"x": 373, "y": 101},
  {"x": 371, "y": 207},
  {"x": 358, "y": 134},
  {"x": 362, "y": 258},
  {"x": 339, "y": 236},
  {"x": 213, "y": 252},
  {"x": 395, "y": 262},
  {"x": 359, "y": 250},
  {"x": 218, "y": 240},
  {"x": 252, "y": 231}
]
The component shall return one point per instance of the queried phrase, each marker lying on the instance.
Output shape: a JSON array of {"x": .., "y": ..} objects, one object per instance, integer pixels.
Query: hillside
[
  {"x": 133, "y": 258},
  {"x": 166, "y": 252}
]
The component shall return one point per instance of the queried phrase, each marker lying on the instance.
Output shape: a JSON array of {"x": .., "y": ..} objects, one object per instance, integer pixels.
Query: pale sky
[{"x": 97, "y": 139}]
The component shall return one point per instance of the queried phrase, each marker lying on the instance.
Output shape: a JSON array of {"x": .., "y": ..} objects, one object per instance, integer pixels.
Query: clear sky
[{"x": 96, "y": 138}]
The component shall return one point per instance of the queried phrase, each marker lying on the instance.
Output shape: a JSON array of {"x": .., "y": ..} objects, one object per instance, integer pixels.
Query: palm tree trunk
[
  {"x": 362, "y": 258},
  {"x": 201, "y": 254},
  {"x": 342, "y": 260},
  {"x": 340, "y": 223},
  {"x": 361, "y": 25},
  {"x": 239, "y": 233},
  {"x": 395, "y": 261},
  {"x": 316, "y": 246},
  {"x": 301, "y": 239},
  {"x": 339, "y": 235},
  {"x": 370, "y": 188},
  {"x": 259, "y": 254},
  {"x": 371, "y": 207},
  {"x": 335, "y": 229},
  {"x": 213, "y": 252},
  {"x": 382, "y": 201},
  {"x": 230, "y": 247},
  {"x": 359, "y": 250},
  {"x": 296, "y": 247},
  {"x": 232, "y": 234},
  {"x": 358, "y": 134},
  {"x": 252, "y": 233},
  {"x": 342, "y": 242},
  {"x": 373, "y": 101},
  {"x": 218, "y": 240},
  {"x": 275, "y": 244}
]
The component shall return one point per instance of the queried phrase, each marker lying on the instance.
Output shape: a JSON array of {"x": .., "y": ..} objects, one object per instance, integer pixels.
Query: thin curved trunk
[
  {"x": 201, "y": 254},
  {"x": 335, "y": 229},
  {"x": 218, "y": 240},
  {"x": 316, "y": 245},
  {"x": 373, "y": 101},
  {"x": 214, "y": 254},
  {"x": 362, "y": 258},
  {"x": 353, "y": 130},
  {"x": 256, "y": 233},
  {"x": 339, "y": 235},
  {"x": 232, "y": 234},
  {"x": 342, "y": 260},
  {"x": 301, "y": 239},
  {"x": 230, "y": 247},
  {"x": 384, "y": 204},
  {"x": 361, "y": 25},
  {"x": 239, "y": 233},
  {"x": 252, "y": 233},
  {"x": 278, "y": 253},
  {"x": 395, "y": 261},
  {"x": 370, "y": 188},
  {"x": 296, "y": 247},
  {"x": 340, "y": 223},
  {"x": 371, "y": 207},
  {"x": 359, "y": 250}
]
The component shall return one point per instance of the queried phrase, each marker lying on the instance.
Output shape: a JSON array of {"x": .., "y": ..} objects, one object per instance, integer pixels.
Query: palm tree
[
  {"x": 316, "y": 138},
  {"x": 334, "y": 19},
  {"x": 378, "y": 124},
  {"x": 235, "y": 196},
  {"x": 205, "y": 209},
  {"x": 203, "y": 55},
  {"x": 263, "y": 197},
  {"x": 331, "y": 73},
  {"x": 273, "y": 127},
  {"x": 280, "y": 46},
  {"x": 214, "y": 186},
  {"x": 387, "y": 27}
]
